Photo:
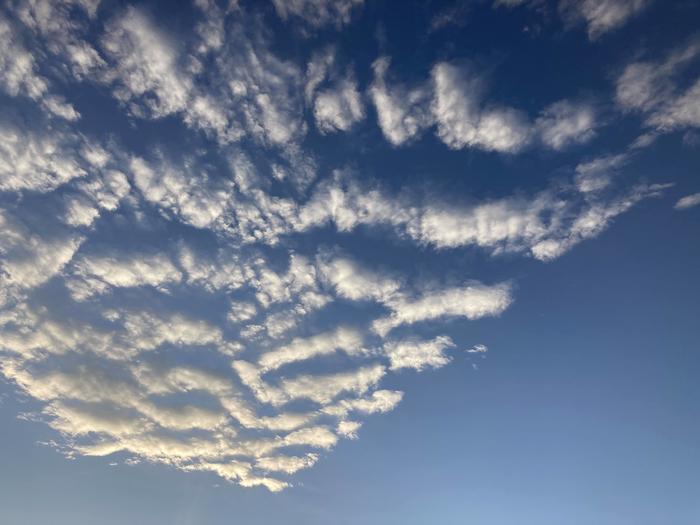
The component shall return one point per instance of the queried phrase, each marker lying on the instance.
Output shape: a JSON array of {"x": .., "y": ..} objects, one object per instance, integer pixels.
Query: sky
[{"x": 349, "y": 261}]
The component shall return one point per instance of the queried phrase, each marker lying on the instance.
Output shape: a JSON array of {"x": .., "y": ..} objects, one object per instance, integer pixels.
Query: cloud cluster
[
  {"x": 183, "y": 301},
  {"x": 453, "y": 101}
]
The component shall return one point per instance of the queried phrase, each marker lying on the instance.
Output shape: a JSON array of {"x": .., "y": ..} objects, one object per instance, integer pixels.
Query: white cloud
[
  {"x": 564, "y": 123},
  {"x": 145, "y": 65},
  {"x": 596, "y": 174},
  {"x": 301, "y": 349},
  {"x": 653, "y": 89},
  {"x": 19, "y": 75},
  {"x": 338, "y": 108},
  {"x": 471, "y": 301},
  {"x": 602, "y": 16},
  {"x": 402, "y": 111},
  {"x": 241, "y": 311},
  {"x": 286, "y": 464},
  {"x": 682, "y": 112},
  {"x": 318, "y": 13},
  {"x": 418, "y": 354},
  {"x": 688, "y": 201},
  {"x": 96, "y": 274},
  {"x": 463, "y": 122},
  {"x": 186, "y": 192},
  {"x": 352, "y": 281},
  {"x": 30, "y": 258},
  {"x": 379, "y": 401},
  {"x": 348, "y": 429},
  {"x": 325, "y": 388},
  {"x": 36, "y": 161}
]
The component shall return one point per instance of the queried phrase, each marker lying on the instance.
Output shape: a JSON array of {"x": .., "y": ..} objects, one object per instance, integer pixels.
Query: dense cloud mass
[{"x": 171, "y": 294}]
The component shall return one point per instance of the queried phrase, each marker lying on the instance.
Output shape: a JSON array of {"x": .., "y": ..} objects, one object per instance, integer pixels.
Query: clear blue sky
[{"x": 321, "y": 262}]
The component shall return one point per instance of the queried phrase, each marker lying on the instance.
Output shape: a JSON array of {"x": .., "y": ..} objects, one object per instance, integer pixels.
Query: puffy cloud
[
  {"x": 324, "y": 388},
  {"x": 265, "y": 89},
  {"x": 652, "y": 88},
  {"x": 148, "y": 331},
  {"x": 321, "y": 389},
  {"x": 145, "y": 65},
  {"x": 31, "y": 258},
  {"x": 454, "y": 102},
  {"x": 478, "y": 349},
  {"x": 418, "y": 354},
  {"x": 463, "y": 122},
  {"x": 97, "y": 274},
  {"x": 300, "y": 349},
  {"x": 149, "y": 74},
  {"x": 594, "y": 219},
  {"x": 564, "y": 123},
  {"x": 402, "y": 111},
  {"x": 338, "y": 108},
  {"x": 318, "y": 13},
  {"x": 471, "y": 301},
  {"x": 19, "y": 74},
  {"x": 336, "y": 102},
  {"x": 354, "y": 282},
  {"x": 223, "y": 271},
  {"x": 688, "y": 201},
  {"x": 198, "y": 201},
  {"x": 348, "y": 429},
  {"x": 681, "y": 112},
  {"x": 379, "y": 401},
  {"x": 286, "y": 464},
  {"x": 38, "y": 161},
  {"x": 595, "y": 174},
  {"x": 241, "y": 312},
  {"x": 602, "y": 16}
]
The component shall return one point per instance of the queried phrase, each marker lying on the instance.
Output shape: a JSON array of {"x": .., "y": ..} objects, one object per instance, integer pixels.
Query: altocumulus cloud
[{"x": 180, "y": 302}]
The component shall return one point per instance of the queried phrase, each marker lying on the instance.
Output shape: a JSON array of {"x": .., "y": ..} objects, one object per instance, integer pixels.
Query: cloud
[
  {"x": 564, "y": 123},
  {"x": 300, "y": 349},
  {"x": 453, "y": 101},
  {"x": 348, "y": 429},
  {"x": 324, "y": 388},
  {"x": 338, "y": 108},
  {"x": 478, "y": 349},
  {"x": 653, "y": 89},
  {"x": 31, "y": 258},
  {"x": 38, "y": 162},
  {"x": 595, "y": 174},
  {"x": 402, "y": 111},
  {"x": 471, "y": 301},
  {"x": 19, "y": 74},
  {"x": 98, "y": 274},
  {"x": 453, "y": 15},
  {"x": 352, "y": 281},
  {"x": 379, "y": 401},
  {"x": 688, "y": 201},
  {"x": 192, "y": 195},
  {"x": 318, "y": 13},
  {"x": 147, "y": 73},
  {"x": 463, "y": 122},
  {"x": 602, "y": 16},
  {"x": 286, "y": 464},
  {"x": 418, "y": 354}
]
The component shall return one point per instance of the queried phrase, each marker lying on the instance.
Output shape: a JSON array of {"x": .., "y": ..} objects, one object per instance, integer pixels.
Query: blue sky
[{"x": 315, "y": 261}]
